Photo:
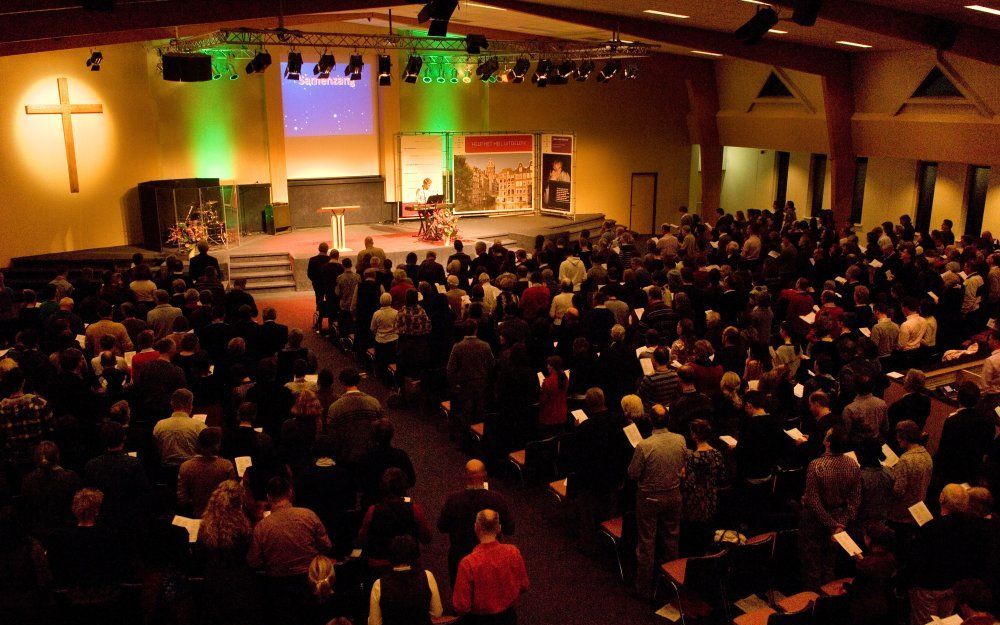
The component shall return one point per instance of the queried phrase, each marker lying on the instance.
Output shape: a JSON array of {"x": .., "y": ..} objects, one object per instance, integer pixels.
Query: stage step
[{"x": 263, "y": 272}]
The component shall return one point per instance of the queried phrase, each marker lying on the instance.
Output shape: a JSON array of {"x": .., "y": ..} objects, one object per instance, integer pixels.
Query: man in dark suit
[
  {"x": 965, "y": 438},
  {"x": 272, "y": 335},
  {"x": 201, "y": 261},
  {"x": 160, "y": 378},
  {"x": 328, "y": 274},
  {"x": 215, "y": 336},
  {"x": 313, "y": 272},
  {"x": 237, "y": 297},
  {"x": 431, "y": 271},
  {"x": 600, "y": 459},
  {"x": 458, "y": 517},
  {"x": 465, "y": 260}
]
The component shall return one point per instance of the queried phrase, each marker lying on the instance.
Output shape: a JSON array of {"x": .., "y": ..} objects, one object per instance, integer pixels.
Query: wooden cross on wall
[{"x": 66, "y": 110}]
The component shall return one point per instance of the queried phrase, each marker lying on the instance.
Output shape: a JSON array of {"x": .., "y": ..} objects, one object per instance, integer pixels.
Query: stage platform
[{"x": 279, "y": 262}]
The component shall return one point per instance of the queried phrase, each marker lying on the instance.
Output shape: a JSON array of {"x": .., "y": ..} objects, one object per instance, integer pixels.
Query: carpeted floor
[{"x": 566, "y": 586}]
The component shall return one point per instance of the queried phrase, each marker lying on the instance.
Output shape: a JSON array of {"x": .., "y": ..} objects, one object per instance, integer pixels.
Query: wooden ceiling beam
[
  {"x": 973, "y": 42},
  {"x": 789, "y": 55},
  {"x": 33, "y": 30}
]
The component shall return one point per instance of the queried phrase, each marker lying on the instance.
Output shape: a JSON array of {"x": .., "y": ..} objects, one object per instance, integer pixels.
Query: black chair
[
  {"x": 699, "y": 584},
  {"x": 750, "y": 566}
]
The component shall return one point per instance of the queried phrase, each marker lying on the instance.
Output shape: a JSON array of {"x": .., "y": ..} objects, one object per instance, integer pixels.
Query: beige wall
[
  {"x": 114, "y": 151},
  {"x": 749, "y": 178}
]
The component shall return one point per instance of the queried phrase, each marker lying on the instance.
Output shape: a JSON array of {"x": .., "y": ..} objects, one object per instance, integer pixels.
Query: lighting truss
[{"x": 245, "y": 42}]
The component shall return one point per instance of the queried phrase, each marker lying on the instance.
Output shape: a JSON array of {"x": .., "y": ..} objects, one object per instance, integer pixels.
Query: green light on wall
[{"x": 210, "y": 127}]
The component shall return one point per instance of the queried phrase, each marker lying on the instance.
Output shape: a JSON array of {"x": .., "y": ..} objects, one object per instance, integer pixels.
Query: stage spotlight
[
  {"x": 612, "y": 67},
  {"x": 412, "y": 69},
  {"x": 567, "y": 69},
  {"x": 260, "y": 62},
  {"x": 805, "y": 12},
  {"x": 94, "y": 62},
  {"x": 293, "y": 68},
  {"x": 542, "y": 72},
  {"x": 475, "y": 44},
  {"x": 438, "y": 12},
  {"x": 631, "y": 72},
  {"x": 354, "y": 67},
  {"x": 757, "y": 26},
  {"x": 584, "y": 71},
  {"x": 517, "y": 73},
  {"x": 487, "y": 68},
  {"x": 326, "y": 64},
  {"x": 467, "y": 76},
  {"x": 384, "y": 70}
]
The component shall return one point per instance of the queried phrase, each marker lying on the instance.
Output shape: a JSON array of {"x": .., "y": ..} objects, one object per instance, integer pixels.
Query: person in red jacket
[
  {"x": 552, "y": 409},
  {"x": 491, "y": 578},
  {"x": 536, "y": 298}
]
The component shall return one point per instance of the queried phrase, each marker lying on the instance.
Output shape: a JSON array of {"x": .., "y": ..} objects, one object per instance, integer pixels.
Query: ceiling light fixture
[
  {"x": 854, "y": 44},
  {"x": 384, "y": 70},
  {"x": 517, "y": 73},
  {"x": 609, "y": 70},
  {"x": 474, "y": 44},
  {"x": 94, "y": 62},
  {"x": 666, "y": 14},
  {"x": 260, "y": 62},
  {"x": 777, "y": 32},
  {"x": 487, "y": 68},
  {"x": 631, "y": 72},
  {"x": 805, "y": 12},
  {"x": 354, "y": 67},
  {"x": 542, "y": 71},
  {"x": 412, "y": 69},
  {"x": 704, "y": 52},
  {"x": 982, "y": 9},
  {"x": 326, "y": 64},
  {"x": 293, "y": 68},
  {"x": 438, "y": 12},
  {"x": 585, "y": 70},
  {"x": 757, "y": 26}
]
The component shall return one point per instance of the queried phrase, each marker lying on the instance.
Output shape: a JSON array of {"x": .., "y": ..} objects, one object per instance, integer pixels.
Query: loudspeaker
[
  {"x": 187, "y": 67},
  {"x": 804, "y": 12}
]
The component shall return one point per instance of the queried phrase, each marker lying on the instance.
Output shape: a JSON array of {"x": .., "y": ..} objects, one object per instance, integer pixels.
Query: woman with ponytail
[{"x": 326, "y": 604}]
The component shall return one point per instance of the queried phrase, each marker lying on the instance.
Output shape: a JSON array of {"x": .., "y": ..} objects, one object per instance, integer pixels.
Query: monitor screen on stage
[{"x": 329, "y": 124}]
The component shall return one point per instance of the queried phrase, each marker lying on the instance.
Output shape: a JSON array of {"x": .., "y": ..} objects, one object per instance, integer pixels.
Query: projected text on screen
[{"x": 335, "y": 106}]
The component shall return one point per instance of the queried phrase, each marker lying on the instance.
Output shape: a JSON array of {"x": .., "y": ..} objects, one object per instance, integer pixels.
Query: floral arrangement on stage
[
  {"x": 444, "y": 225},
  {"x": 186, "y": 234}
]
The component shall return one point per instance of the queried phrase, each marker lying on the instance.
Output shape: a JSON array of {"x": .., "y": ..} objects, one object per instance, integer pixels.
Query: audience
[{"x": 751, "y": 363}]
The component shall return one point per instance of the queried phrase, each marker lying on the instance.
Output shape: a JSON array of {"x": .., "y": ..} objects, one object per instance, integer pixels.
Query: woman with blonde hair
[
  {"x": 224, "y": 539},
  {"x": 635, "y": 412},
  {"x": 325, "y": 605},
  {"x": 729, "y": 404}
]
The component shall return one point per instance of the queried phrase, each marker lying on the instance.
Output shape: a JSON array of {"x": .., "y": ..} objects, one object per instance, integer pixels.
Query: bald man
[
  {"x": 458, "y": 516},
  {"x": 365, "y": 256},
  {"x": 491, "y": 578}
]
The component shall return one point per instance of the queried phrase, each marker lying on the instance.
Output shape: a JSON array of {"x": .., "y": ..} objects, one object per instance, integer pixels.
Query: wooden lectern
[{"x": 338, "y": 231}]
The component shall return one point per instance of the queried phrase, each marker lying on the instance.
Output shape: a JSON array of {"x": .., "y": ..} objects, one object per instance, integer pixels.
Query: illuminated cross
[{"x": 66, "y": 110}]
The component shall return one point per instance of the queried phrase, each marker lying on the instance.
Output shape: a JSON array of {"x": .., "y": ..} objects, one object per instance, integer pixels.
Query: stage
[{"x": 278, "y": 262}]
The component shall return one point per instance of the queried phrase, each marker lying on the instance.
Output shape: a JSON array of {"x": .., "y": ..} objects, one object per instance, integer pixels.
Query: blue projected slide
[{"x": 335, "y": 106}]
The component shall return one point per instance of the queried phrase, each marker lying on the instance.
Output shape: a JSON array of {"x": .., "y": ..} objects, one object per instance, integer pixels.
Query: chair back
[
  {"x": 706, "y": 577},
  {"x": 832, "y": 610},
  {"x": 785, "y": 562},
  {"x": 542, "y": 456},
  {"x": 789, "y": 483},
  {"x": 750, "y": 565}
]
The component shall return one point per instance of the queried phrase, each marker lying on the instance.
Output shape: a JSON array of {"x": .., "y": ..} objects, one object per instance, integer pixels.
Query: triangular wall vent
[
  {"x": 774, "y": 87},
  {"x": 937, "y": 85}
]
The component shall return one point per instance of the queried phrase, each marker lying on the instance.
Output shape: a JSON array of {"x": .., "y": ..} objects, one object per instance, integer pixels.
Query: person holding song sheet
[
  {"x": 657, "y": 465},
  {"x": 829, "y": 505}
]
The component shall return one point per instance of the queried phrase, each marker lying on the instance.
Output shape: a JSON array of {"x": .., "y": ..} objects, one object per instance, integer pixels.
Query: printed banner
[
  {"x": 493, "y": 173},
  {"x": 557, "y": 173}
]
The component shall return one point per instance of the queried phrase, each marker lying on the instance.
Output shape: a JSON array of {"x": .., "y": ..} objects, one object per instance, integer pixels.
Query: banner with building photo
[
  {"x": 493, "y": 173},
  {"x": 557, "y": 174}
]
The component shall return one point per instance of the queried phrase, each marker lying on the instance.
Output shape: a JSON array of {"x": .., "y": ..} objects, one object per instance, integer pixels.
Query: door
[{"x": 642, "y": 207}]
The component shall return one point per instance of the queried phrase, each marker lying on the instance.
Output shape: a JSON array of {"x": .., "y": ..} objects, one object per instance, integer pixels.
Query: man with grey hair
[
  {"x": 177, "y": 436},
  {"x": 491, "y": 578}
]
